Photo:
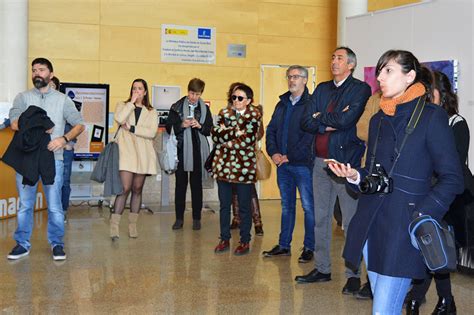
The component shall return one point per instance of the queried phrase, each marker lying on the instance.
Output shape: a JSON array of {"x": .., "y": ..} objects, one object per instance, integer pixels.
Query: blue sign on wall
[{"x": 204, "y": 33}]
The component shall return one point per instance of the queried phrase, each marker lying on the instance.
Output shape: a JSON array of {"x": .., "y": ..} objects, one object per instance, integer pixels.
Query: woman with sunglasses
[
  {"x": 234, "y": 163},
  {"x": 254, "y": 204},
  {"x": 380, "y": 226}
]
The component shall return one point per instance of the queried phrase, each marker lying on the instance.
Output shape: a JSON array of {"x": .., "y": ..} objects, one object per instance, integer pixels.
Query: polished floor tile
[{"x": 167, "y": 272}]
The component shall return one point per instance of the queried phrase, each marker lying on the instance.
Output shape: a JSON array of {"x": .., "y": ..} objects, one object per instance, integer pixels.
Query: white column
[
  {"x": 345, "y": 9},
  {"x": 13, "y": 48}
]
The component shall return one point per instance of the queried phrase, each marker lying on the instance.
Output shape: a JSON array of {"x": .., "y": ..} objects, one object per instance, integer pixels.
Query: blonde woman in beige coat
[{"x": 138, "y": 123}]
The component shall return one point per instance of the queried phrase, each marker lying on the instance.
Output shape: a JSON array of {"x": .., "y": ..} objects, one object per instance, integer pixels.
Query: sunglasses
[{"x": 240, "y": 98}]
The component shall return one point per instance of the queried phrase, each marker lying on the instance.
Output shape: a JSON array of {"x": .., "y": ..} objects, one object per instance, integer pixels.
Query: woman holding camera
[
  {"x": 234, "y": 163},
  {"x": 396, "y": 181}
]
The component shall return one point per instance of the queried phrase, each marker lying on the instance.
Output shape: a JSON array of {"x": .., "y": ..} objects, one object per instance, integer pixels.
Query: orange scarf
[{"x": 389, "y": 105}]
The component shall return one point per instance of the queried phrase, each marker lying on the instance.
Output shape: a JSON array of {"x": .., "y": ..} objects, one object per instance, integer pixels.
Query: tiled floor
[{"x": 165, "y": 271}]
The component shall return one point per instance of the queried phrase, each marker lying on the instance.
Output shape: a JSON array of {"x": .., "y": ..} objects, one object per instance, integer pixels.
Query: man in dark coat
[
  {"x": 336, "y": 107},
  {"x": 290, "y": 149}
]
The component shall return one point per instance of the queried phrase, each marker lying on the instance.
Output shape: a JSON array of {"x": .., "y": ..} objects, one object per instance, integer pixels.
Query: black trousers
[
  {"x": 195, "y": 180},
  {"x": 244, "y": 193}
]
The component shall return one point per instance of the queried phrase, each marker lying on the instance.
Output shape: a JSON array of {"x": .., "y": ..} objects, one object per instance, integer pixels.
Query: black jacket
[
  {"x": 175, "y": 119},
  {"x": 27, "y": 153},
  {"x": 299, "y": 141}
]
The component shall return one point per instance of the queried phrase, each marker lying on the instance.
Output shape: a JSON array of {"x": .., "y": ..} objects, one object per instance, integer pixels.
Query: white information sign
[{"x": 188, "y": 44}]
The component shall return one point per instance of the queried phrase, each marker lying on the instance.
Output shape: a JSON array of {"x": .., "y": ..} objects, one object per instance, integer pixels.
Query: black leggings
[
  {"x": 134, "y": 183},
  {"x": 443, "y": 286}
]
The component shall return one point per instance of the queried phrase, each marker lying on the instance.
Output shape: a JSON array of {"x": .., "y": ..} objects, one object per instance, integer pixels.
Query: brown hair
[
  {"x": 146, "y": 98},
  {"x": 196, "y": 85}
]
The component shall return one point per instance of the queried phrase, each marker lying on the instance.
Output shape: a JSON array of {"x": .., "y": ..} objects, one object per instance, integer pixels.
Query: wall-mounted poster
[
  {"x": 162, "y": 97},
  {"x": 92, "y": 100},
  {"x": 448, "y": 67},
  {"x": 188, "y": 44}
]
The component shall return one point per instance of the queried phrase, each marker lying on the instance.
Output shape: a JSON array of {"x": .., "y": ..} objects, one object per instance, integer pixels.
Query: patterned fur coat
[{"x": 235, "y": 138}]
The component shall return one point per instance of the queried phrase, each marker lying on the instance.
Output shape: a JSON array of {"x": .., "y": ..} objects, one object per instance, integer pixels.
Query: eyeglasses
[
  {"x": 295, "y": 77},
  {"x": 240, "y": 98}
]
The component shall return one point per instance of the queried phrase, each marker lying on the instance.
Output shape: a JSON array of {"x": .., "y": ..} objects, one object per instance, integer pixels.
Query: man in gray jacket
[{"x": 60, "y": 109}]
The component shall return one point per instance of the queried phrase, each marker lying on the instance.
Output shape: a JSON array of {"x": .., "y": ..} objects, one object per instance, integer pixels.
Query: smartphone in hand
[{"x": 331, "y": 161}]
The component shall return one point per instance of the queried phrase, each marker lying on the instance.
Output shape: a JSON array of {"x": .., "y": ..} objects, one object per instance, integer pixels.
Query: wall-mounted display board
[{"x": 92, "y": 100}]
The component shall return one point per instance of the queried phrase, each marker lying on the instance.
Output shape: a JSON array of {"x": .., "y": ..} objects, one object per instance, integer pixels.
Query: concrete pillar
[
  {"x": 345, "y": 9},
  {"x": 13, "y": 48}
]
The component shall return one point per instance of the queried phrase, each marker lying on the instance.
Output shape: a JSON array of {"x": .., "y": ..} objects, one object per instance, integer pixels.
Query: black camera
[{"x": 377, "y": 182}]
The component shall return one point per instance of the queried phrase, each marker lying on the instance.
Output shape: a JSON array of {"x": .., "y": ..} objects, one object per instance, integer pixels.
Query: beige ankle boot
[
  {"x": 132, "y": 225},
  {"x": 114, "y": 226}
]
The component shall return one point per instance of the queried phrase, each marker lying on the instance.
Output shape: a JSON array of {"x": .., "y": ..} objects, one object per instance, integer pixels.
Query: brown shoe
[
  {"x": 259, "y": 230},
  {"x": 242, "y": 249},
  {"x": 234, "y": 225},
  {"x": 223, "y": 246}
]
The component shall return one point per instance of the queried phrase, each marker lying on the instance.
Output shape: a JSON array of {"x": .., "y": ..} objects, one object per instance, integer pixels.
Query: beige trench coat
[{"x": 136, "y": 151}]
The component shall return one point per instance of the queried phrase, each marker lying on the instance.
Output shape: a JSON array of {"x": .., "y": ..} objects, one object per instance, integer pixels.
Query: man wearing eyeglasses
[
  {"x": 336, "y": 107},
  {"x": 290, "y": 149}
]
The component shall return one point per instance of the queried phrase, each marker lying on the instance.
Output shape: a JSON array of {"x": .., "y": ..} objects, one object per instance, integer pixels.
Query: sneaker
[
  {"x": 223, "y": 246},
  {"x": 17, "y": 252},
  {"x": 365, "y": 292},
  {"x": 352, "y": 286},
  {"x": 277, "y": 250},
  {"x": 259, "y": 230},
  {"x": 306, "y": 256},
  {"x": 242, "y": 249},
  {"x": 58, "y": 253}
]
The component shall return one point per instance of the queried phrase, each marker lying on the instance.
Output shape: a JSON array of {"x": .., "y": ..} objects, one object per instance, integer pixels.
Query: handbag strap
[{"x": 115, "y": 136}]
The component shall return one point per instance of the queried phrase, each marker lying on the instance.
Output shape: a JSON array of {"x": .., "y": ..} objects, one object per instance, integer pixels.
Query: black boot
[
  {"x": 445, "y": 307},
  {"x": 412, "y": 307}
]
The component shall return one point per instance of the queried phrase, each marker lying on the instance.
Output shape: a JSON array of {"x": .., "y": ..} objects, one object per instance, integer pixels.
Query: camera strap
[{"x": 415, "y": 117}]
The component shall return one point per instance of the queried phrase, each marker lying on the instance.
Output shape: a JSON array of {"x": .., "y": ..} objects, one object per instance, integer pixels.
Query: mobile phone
[
  {"x": 190, "y": 117},
  {"x": 331, "y": 161}
]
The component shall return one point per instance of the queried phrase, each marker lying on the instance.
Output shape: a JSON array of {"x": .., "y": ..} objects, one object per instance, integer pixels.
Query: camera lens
[{"x": 368, "y": 185}]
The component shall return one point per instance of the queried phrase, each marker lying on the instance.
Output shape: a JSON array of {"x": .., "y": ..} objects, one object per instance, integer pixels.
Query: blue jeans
[
  {"x": 389, "y": 292},
  {"x": 68, "y": 157},
  {"x": 27, "y": 196},
  {"x": 289, "y": 178}
]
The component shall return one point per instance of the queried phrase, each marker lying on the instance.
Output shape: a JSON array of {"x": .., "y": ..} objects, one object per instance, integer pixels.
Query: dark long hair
[
  {"x": 146, "y": 98},
  {"x": 448, "y": 100}
]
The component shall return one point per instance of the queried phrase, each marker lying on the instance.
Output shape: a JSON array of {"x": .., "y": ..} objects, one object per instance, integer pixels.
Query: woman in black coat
[
  {"x": 380, "y": 226},
  {"x": 443, "y": 95}
]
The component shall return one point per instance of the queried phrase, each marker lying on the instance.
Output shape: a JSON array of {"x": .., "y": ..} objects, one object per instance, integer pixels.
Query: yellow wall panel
[
  {"x": 78, "y": 11},
  {"x": 313, "y": 22},
  {"x": 226, "y": 17},
  {"x": 65, "y": 41},
  {"x": 314, "y": 3},
  {"x": 130, "y": 44},
  {"x": 373, "y": 5},
  {"x": 287, "y": 50},
  {"x": 80, "y": 71}
]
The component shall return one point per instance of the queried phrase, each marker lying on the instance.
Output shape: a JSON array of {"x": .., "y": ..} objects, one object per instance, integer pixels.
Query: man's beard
[{"x": 40, "y": 82}]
